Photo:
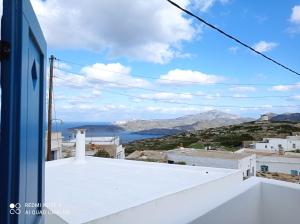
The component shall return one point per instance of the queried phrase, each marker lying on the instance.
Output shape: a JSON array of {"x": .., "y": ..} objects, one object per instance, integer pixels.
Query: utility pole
[{"x": 52, "y": 58}]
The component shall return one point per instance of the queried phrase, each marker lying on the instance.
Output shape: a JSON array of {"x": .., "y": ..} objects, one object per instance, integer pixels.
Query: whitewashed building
[
  {"x": 56, "y": 145},
  {"x": 279, "y": 164},
  {"x": 273, "y": 161},
  {"x": 110, "y": 144},
  {"x": 264, "y": 117},
  {"x": 108, "y": 191},
  {"x": 290, "y": 143},
  {"x": 220, "y": 159}
]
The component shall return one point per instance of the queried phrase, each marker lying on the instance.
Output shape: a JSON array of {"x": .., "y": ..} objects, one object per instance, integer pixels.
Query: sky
[{"x": 139, "y": 59}]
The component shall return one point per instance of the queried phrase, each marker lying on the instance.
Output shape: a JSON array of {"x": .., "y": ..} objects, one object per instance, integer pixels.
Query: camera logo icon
[{"x": 14, "y": 208}]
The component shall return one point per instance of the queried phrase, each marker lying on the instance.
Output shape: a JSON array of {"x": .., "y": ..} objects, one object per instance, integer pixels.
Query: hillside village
[
  {"x": 274, "y": 144},
  {"x": 229, "y": 138},
  {"x": 254, "y": 147}
]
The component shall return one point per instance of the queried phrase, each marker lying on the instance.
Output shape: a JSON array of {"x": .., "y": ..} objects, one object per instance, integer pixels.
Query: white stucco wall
[
  {"x": 120, "y": 154},
  {"x": 181, "y": 207},
  {"x": 243, "y": 164},
  {"x": 278, "y": 164},
  {"x": 248, "y": 163},
  {"x": 273, "y": 143},
  {"x": 103, "y": 140},
  {"x": 280, "y": 202},
  {"x": 203, "y": 161},
  {"x": 257, "y": 201},
  {"x": 243, "y": 207},
  {"x": 56, "y": 144}
]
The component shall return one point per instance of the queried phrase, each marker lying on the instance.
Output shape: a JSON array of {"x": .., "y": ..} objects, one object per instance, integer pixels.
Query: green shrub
[
  {"x": 233, "y": 140},
  {"x": 197, "y": 145},
  {"x": 102, "y": 153}
]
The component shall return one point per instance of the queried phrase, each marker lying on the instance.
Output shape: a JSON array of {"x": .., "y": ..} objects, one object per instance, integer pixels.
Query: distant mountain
[
  {"x": 292, "y": 117},
  {"x": 270, "y": 115},
  {"x": 209, "y": 119},
  {"x": 214, "y": 123}
]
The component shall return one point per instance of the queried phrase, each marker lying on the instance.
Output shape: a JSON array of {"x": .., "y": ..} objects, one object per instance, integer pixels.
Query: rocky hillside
[
  {"x": 209, "y": 119},
  {"x": 225, "y": 138},
  {"x": 293, "y": 117}
]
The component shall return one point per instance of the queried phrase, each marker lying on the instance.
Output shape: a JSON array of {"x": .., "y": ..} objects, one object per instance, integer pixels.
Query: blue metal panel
[{"x": 22, "y": 113}]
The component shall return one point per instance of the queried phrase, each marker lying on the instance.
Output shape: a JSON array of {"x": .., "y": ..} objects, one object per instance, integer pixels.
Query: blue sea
[{"x": 102, "y": 129}]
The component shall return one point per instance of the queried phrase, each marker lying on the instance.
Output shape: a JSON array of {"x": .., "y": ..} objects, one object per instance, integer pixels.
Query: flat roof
[
  {"x": 148, "y": 154},
  {"x": 272, "y": 153},
  {"x": 100, "y": 187},
  {"x": 279, "y": 159},
  {"x": 209, "y": 153}
]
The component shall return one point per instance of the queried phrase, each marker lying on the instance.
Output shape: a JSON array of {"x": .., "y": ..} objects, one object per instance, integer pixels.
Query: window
[
  {"x": 264, "y": 168},
  {"x": 53, "y": 155},
  {"x": 294, "y": 172},
  {"x": 266, "y": 146},
  {"x": 294, "y": 146}
]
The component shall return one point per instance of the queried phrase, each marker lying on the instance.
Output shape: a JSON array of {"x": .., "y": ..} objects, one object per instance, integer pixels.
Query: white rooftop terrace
[{"x": 123, "y": 191}]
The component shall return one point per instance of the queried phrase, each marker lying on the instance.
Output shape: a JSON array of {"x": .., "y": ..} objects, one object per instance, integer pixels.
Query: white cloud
[
  {"x": 65, "y": 79},
  {"x": 188, "y": 77},
  {"x": 168, "y": 96},
  {"x": 284, "y": 88},
  {"x": 62, "y": 65},
  {"x": 98, "y": 75},
  {"x": 96, "y": 93},
  {"x": 205, "y": 5},
  {"x": 264, "y": 46},
  {"x": 295, "y": 17},
  {"x": 239, "y": 95},
  {"x": 281, "y": 88},
  {"x": 138, "y": 29},
  {"x": 209, "y": 96},
  {"x": 243, "y": 89},
  {"x": 297, "y": 97},
  {"x": 114, "y": 74},
  {"x": 59, "y": 96},
  {"x": 233, "y": 49},
  {"x": 173, "y": 110}
]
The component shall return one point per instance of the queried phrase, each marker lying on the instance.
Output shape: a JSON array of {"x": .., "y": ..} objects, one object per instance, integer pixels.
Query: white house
[
  {"x": 290, "y": 143},
  {"x": 110, "y": 144},
  {"x": 243, "y": 161},
  {"x": 279, "y": 164},
  {"x": 56, "y": 145},
  {"x": 100, "y": 190},
  {"x": 273, "y": 161},
  {"x": 264, "y": 117}
]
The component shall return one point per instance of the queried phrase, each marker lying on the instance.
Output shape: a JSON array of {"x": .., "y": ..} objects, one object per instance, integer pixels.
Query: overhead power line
[
  {"x": 182, "y": 81},
  {"x": 233, "y": 38},
  {"x": 189, "y": 104},
  {"x": 182, "y": 93}
]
